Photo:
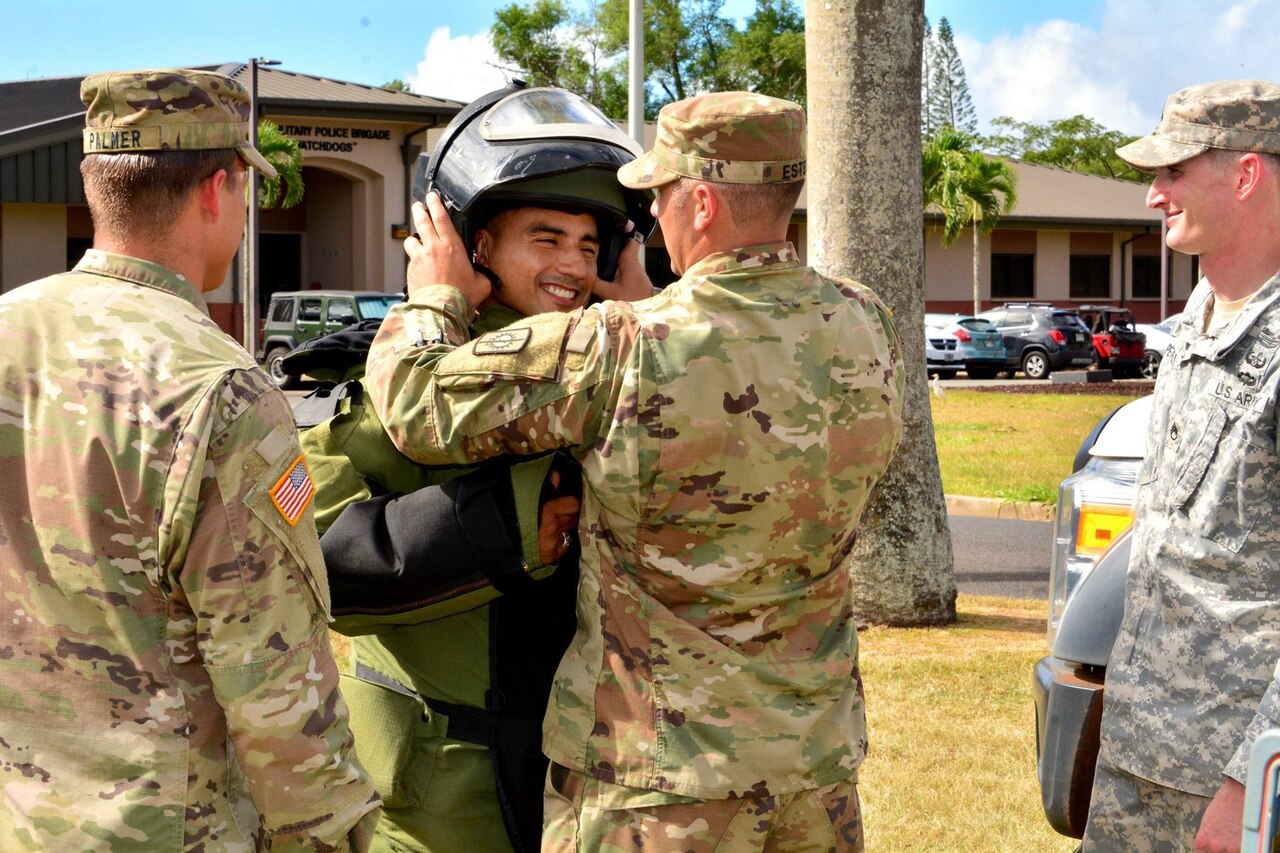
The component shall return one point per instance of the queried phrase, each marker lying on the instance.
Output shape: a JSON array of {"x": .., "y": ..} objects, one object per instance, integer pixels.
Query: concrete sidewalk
[{"x": 999, "y": 508}]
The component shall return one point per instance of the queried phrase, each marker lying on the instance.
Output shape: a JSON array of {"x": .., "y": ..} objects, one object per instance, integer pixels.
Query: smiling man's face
[
  {"x": 545, "y": 259},
  {"x": 1197, "y": 198}
]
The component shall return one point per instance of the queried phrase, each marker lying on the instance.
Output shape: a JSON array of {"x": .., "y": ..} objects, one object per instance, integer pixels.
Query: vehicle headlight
[{"x": 1095, "y": 505}]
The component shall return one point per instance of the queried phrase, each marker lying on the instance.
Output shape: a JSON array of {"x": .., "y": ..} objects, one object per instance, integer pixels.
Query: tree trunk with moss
[{"x": 866, "y": 223}]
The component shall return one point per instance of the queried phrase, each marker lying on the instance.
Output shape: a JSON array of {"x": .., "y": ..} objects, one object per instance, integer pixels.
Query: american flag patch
[{"x": 294, "y": 491}]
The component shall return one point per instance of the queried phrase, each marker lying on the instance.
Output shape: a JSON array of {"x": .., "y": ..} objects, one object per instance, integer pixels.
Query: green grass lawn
[
  {"x": 951, "y": 725},
  {"x": 1014, "y": 446}
]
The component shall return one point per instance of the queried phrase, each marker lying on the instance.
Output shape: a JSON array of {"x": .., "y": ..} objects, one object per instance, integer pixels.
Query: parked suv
[
  {"x": 1040, "y": 338},
  {"x": 295, "y": 317},
  {"x": 955, "y": 342}
]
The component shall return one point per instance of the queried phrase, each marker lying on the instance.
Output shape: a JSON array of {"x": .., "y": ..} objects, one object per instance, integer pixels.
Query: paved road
[{"x": 995, "y": 556}]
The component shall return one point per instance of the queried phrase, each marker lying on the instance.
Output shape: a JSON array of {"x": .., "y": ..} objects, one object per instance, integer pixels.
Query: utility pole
[{"x": 249, "y": 251}]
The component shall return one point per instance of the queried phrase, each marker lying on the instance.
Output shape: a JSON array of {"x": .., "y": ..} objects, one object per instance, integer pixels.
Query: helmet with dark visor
[{"x": 540, "y": 147}]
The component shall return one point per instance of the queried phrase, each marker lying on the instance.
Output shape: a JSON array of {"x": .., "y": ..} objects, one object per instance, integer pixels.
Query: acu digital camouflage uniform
[
  {"x": 730, "y": 430},
  {"x": 1192, "y": 678},
  {"x": 166, "y": 680}
]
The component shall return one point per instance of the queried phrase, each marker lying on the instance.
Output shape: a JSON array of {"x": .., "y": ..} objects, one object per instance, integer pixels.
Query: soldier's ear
[
  {"x": 706, "y": 206},
  {"x": 211, "y": 195},
  {"x": 1249, "y": 171},
  {"x": 484, "y": 245}
]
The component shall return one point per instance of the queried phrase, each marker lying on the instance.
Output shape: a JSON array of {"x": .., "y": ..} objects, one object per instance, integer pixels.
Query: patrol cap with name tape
[
  {"x": 167, "y": 109},
  {"x": 723, "y": 137},
  {"x": 1238, "y": 115}
]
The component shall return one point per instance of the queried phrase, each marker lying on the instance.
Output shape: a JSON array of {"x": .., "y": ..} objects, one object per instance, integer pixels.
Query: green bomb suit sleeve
[
  {"x": 239, "y": 544},
  {"x": 730, "y": 430}
]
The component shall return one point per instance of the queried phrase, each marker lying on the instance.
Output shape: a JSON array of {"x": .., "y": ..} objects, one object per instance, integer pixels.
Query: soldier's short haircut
[
  {"x": 1225, "y": 157},
  {"x": 750, "y": 203},
  {"x": 144, "y": 192}
]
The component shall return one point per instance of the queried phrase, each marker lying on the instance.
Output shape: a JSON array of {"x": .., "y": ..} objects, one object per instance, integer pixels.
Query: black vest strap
[{"x": 512, "y": 735}]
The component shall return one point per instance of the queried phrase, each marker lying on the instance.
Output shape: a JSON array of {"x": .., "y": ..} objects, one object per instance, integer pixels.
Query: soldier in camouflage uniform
[
  {"x": 1192, "y": 679},
  {"x": 166, "y": 680},
  {"x": 730, "y": 429}
]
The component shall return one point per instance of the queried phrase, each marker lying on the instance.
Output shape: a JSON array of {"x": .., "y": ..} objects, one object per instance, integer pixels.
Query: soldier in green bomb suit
[{"x": 459, "y": 590}]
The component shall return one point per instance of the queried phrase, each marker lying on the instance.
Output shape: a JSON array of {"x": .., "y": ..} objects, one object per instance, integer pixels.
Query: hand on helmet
[
  {"x": 437, "y": 256},
  {"x": 632, "y": 282}
]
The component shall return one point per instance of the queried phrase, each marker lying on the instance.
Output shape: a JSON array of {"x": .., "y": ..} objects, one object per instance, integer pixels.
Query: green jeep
[{"x": 296, "y": 317}]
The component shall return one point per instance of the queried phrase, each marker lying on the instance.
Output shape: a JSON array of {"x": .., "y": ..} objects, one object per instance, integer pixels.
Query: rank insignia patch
[
  {"x": 293, "y": 491},
  {"x": 502, "y": 342}
]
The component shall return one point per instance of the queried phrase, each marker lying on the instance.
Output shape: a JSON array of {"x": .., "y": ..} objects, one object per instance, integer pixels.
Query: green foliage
[
  {"x": 397, "y": 85},
  {"x": 689, "y": 48},
  {"x": 1078, "y": 143},
  {"x": 282, "y": 152},
  {"x": 966, "y": 185},
  {"x": 947, "y": 102},
  {"x": 768, "y": 54},
  {"x": 530, "y": 36}
]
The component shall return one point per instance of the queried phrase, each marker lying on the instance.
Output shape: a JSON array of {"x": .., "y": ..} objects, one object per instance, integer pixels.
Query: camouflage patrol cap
[
  {"x": 167, "y": 109},
  {"x": 725, "y": 137},
  {"x": 1238, "y": 115}
]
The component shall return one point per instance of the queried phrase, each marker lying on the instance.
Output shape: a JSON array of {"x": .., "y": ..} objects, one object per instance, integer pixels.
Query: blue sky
[{"x": 1114, "y": 60}]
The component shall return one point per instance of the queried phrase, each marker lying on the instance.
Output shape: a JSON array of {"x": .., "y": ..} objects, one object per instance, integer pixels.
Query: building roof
[
  {"x": 1047, "y": 197},
  {"x": 36, "y": 112},
  {"x": 284, "y": 92},
  {"x": 41, "y": 122}
]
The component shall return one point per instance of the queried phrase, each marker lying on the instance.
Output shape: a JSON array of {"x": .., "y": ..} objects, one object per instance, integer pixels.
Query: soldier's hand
[
  {"x": 1222, "y": 824},
  {"x": 437, "y": 255},
  {"x": 557, "y": 522},
  {"x": 632, "y": 282}
]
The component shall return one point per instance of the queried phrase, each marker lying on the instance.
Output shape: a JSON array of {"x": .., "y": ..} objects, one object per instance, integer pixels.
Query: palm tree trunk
[
  {"x": 977, "y": 299},
  {"x": 865, "y": 222}
]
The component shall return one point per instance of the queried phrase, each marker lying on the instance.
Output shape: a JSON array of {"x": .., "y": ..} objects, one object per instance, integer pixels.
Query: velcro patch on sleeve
[
  {"x": 502, "y": 342},
  {"x": 583, "y": 334},
  {"x": 293, "y": 492}
]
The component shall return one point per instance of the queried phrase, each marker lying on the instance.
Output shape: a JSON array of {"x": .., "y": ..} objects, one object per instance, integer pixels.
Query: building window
[
  {"x": 1146, "y": 276},
  {"x": 1090, "y": 276},
  {"x": 1013, "y": 276}
]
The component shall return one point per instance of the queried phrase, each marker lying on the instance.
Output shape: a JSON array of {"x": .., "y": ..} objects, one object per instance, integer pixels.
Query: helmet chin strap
[{"x": 487, "y": 273}]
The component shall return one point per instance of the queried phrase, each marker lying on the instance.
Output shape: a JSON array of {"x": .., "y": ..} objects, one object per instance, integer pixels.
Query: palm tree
[
  {"x": 970, "y": 189},
  {"x": 283, "y": 153}
]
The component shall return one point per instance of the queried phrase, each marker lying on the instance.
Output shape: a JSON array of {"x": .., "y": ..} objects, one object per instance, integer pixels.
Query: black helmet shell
[{"x": 542, "y": 147}]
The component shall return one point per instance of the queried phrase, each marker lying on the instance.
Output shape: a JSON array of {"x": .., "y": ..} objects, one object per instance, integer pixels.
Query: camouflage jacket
[
  {"x": 166, "y": 680},
  {"x": 1191, "y": 680},
  {"x": 730, "y": 429}
]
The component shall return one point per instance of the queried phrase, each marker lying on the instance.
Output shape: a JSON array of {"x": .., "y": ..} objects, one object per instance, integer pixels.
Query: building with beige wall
[
  {"x": 1072, "y": 239},
  {"x": 359, "y": 145}
]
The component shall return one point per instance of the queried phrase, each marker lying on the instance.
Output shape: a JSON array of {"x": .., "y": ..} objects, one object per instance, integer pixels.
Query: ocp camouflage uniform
[
  {"x": 166, "y": 680},
  {"x": 1191, "y": 682},
  {"x": 730, "y": 430}
]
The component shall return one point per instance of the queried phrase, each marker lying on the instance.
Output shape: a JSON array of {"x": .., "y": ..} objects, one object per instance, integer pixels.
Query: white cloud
[
  {"x": 1121, "y": 71},
  {"x": 459, "y": 67}
]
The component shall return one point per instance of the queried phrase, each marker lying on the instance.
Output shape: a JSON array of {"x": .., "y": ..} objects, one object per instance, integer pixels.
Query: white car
[
  {"x": 1086, "y": 603},
  {"x": 1159, "y": 336}
]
